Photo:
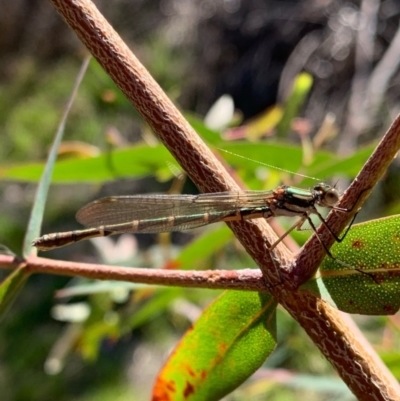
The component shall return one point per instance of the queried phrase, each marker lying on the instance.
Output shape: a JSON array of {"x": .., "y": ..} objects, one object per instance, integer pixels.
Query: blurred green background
[{"x": 107, "y": 340}]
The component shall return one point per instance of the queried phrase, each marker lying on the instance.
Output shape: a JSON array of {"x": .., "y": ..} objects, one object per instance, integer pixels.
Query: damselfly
[{"x": 163, "y": 213}]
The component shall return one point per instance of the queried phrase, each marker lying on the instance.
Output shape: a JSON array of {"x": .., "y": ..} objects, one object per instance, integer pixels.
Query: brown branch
[
  {"x": 246, "y": 279},
  {"x": 358, "y": 367}
]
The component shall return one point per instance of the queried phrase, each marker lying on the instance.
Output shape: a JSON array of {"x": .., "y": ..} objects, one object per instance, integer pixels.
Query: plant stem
[{"x": 246, "y": 279}]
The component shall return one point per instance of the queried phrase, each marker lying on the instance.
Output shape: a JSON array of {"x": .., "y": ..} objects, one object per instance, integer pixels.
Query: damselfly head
[{"x": 326, "y": 195}]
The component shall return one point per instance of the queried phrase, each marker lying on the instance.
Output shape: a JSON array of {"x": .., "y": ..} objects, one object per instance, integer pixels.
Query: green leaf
[
  {"x": 258, "y": 126},
  {"x": 370, "y": 284},
  {"x": 141, "y": 160},
  {"x": 280, "y": 155},
  {"x": 227, "y": 344},
  {"x": 210, "y": 136},
  {"x": 301, "y": 88},
  {"x": 192, "y": 257},
  {"x": 136, "y": 161},
  {"x": 93, "y": 336},
  {"x": 10, "y": 288},
  {"x": 36, "y": 216},
  {"x": 85, "y": 287},
  {"x": 349, "y": 166},
  {"x": 249, "y": 157},
  {"x": 153, "y": 306},
  {"x": 287, "y": 157},
  {"x": 391, "y": 358}
]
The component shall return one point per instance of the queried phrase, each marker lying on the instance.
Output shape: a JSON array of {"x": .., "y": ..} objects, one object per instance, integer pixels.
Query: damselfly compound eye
[{"x": 331, "y": 197}]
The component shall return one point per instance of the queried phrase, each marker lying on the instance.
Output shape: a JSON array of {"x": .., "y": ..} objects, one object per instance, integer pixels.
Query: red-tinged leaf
[
  {"x": 370, "y": 284},
  {"x": 226, "y": 345}
]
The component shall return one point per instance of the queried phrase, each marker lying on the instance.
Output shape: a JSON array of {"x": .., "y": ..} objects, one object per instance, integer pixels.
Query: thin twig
[{"x": 245, "y": 279}]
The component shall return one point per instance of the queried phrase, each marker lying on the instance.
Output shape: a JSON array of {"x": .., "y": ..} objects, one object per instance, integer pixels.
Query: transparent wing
[{"x": 157, "y": 213}]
